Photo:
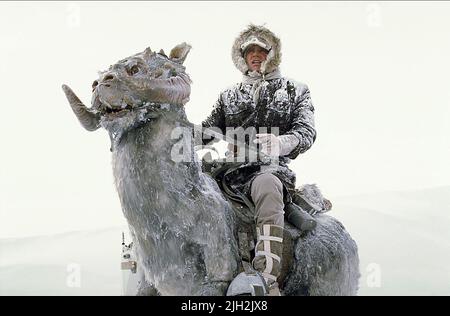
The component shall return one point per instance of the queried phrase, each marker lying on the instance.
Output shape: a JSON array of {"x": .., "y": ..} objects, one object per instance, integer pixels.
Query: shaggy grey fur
[
  {"x": 326, "y": 261},
  {"x": 182, "y": 227}
]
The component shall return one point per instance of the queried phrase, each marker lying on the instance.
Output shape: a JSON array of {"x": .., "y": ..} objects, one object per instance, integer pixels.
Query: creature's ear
[
  {"x": 178, "y": 53},
  {"x": 162, "y": 52},
  {"x": 147, "y": 52}
]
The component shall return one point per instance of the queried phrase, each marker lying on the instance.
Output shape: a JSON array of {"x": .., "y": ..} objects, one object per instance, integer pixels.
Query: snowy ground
[
  {"x": 403, "y": 239},
  {"x": 76, "y": 263}
]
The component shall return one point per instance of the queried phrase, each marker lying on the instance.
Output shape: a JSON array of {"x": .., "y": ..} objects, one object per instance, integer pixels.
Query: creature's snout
[{"x": 106, "y": 80}]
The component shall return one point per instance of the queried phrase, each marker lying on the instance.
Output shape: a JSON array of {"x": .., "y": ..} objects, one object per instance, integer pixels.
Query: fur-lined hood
[{"x": 274, "y": 56}]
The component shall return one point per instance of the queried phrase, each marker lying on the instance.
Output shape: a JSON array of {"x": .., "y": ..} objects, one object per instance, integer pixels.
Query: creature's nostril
[
  {"x": 108, "y": 77},
  {"x": 94, "y": 84}
]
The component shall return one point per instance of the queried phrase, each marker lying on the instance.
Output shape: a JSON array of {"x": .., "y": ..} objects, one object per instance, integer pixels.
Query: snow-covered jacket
[{"x": 283, "y": 103}]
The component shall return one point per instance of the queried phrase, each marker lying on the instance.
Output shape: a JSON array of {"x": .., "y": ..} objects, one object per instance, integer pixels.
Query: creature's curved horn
[
  {"x": 87, "y": 118},
  {"x": 174, "y": 90}
]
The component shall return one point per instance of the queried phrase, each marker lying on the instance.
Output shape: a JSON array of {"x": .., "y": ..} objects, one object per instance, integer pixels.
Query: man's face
[{"x": 254, "y": 56}]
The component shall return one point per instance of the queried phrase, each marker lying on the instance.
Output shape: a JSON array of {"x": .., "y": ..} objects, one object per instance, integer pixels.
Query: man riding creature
[
  {"x": 184, "y": 229},
  {"x": 266, "y": 100}
]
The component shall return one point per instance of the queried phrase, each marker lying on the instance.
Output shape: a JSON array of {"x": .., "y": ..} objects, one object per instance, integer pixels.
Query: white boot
[{"x": 268, "y": 252}]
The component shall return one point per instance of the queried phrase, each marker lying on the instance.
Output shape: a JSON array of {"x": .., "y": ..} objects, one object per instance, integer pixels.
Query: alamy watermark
[
  {"x": 73, "y": 278},
  {"x": 73, "y": 15},
  {"x": 244, "y": 145},
  {"x": 373, "y": 279},
  {"x": 374, "y": 18}
]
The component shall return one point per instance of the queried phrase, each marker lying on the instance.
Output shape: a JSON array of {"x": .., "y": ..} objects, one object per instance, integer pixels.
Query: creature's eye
[
  {"x": 94, "y": 85},
  {"x": 133, "y": 70},
  {"x": 172, "y": 73}
]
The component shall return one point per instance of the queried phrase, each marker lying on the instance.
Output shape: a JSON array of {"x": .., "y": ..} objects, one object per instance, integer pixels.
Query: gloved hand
[
  {"x": 232, "y": 150},
  {"x": 276, "y": 146}
]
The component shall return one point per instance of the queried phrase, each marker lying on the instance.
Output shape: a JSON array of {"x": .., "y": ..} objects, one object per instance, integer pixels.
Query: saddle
[{"x": 298, "y": 217}]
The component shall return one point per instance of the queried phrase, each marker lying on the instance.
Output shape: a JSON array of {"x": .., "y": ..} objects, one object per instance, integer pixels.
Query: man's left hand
[
  {"x": 269, "y": 144},
  {"x": 275, "y": 146}
]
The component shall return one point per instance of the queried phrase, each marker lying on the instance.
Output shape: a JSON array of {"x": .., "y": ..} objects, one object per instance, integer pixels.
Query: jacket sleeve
[
  {"x": 302, "y": 121},
  {"x": 216, "y": 119}
]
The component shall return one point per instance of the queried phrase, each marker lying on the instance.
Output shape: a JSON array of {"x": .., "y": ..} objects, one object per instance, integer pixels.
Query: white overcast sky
[{"x": 378, "y": 74}]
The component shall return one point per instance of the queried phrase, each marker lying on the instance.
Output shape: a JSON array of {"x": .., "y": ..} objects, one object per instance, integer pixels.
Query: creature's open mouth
[
  {"x": 108, "y": 110},
  {"x": 111, "y": 111}
]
